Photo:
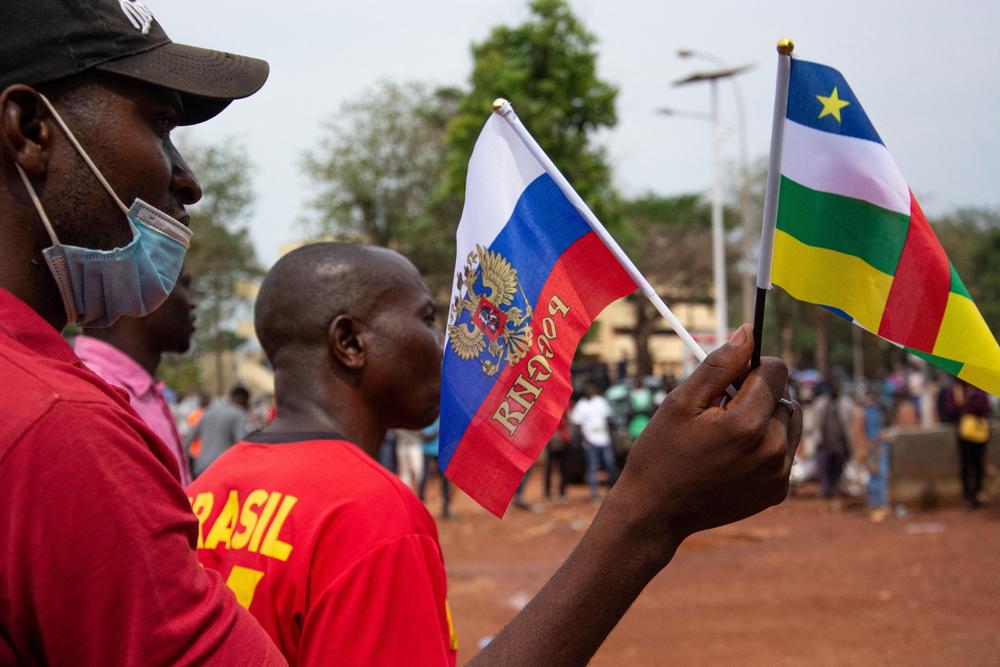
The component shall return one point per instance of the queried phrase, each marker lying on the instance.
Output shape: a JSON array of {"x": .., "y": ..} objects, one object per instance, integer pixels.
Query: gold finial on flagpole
[
  {"x": 785, "y": 46},
  {"x": 498, "y": 104}
]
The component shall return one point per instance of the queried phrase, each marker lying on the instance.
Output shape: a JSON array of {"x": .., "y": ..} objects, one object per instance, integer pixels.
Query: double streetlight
[{"x": 718, "y": 232}]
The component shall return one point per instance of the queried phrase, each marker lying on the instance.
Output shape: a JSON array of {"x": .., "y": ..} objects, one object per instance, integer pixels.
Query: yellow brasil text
[{"x": 252, "y": 523}]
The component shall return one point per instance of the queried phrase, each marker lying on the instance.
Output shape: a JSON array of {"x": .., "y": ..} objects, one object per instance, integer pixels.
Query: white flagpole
[
  {"x": 503, "y": 108},
  {"x": 766, "y": 255}
]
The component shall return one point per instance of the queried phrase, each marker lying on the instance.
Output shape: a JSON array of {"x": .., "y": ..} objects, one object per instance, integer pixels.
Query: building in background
[{"x": 611, "y": 341}]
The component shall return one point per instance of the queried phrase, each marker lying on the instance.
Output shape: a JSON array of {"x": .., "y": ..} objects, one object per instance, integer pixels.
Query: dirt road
[{"x": 793, "y": 586}]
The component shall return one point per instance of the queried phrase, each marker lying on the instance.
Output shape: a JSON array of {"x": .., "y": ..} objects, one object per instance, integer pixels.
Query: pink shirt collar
[
  {"x": 145, "y": 393},
  {"x": 110, "y": 362}
]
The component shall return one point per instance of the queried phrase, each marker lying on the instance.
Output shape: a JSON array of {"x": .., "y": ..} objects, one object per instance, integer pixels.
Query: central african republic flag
[{"x": 850, "y": 235}]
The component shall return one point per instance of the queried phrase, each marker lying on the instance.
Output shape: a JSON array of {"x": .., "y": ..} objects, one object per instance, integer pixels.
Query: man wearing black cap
[{"x": 97, "y": 562}]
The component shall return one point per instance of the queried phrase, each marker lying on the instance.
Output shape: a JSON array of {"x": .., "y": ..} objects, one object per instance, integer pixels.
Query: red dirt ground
[{"x": 791, "y": 586}]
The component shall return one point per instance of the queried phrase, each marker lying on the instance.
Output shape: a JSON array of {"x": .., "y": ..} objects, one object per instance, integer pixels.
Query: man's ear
[
  {"x": 25, "y": 128},
  {"x": 346, "y": 342}
]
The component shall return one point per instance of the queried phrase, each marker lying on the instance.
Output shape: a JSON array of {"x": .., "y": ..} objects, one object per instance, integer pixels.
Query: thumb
[{"x": 720, "y": 369}]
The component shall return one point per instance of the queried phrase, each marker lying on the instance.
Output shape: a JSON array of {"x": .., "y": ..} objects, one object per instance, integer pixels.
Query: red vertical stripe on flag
[
  {"x": 919, "y": 293},
  {"x": 489, "y": 462}
]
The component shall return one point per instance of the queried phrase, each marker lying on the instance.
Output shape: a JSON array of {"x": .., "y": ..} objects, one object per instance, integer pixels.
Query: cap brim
[{"x": 207, "y": 80}]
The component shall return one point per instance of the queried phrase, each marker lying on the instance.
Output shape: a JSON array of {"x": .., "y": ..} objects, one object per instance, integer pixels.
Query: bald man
[
  {"x": 340, "y": 562},
  {"x": 337, "y": 559}
]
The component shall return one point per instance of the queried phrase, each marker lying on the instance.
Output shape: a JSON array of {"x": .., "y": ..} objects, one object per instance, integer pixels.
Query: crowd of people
[
  {"x": 590, "y": 431},
  {"x": 845, "y": 449},
  {"x": 845, "y": 443}
]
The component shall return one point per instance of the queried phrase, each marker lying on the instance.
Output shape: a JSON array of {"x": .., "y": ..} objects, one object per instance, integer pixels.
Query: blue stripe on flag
[
  {"x": 839, "y": 313},
  {"x": 809, "y": 80},
  {"x": 543, "y": 225}
]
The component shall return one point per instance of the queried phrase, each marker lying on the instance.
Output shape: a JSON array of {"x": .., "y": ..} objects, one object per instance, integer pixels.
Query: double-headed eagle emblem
[{"x": 499, "y": 321}]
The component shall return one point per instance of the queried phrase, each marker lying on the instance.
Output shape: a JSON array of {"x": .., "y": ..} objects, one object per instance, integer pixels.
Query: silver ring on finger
[{"x": 788, "y": 404}]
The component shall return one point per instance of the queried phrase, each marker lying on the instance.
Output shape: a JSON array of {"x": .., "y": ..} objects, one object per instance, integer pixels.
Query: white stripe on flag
[
  {"x": 499, "y": 171},
  {"x": 844, "y": 166}
]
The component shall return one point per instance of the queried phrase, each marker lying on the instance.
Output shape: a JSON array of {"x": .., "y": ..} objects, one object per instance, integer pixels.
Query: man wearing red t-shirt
[
  {"x": 333, "y": 554},
  {"x": 340, "y": 562},
  {"x": 97, "y": 540}
]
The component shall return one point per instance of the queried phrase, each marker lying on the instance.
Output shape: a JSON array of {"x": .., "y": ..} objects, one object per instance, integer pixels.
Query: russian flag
[{"x": 530, "y": 277}]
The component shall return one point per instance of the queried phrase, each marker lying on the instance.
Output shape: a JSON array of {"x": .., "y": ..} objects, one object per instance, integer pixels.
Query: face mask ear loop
[
  {"x": 38, "y": 205},
  {"x": 83, "y": 154}
]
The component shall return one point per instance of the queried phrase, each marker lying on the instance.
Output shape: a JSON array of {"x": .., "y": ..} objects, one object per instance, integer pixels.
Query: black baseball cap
[{"x": 46, "y": 40}]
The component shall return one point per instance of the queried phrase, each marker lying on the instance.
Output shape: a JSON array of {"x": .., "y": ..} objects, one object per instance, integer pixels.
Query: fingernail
[{"x": 739, "y": 337}]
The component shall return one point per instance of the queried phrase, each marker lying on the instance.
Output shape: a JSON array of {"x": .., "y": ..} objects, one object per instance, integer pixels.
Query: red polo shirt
[{"x": 97, "y": 561}]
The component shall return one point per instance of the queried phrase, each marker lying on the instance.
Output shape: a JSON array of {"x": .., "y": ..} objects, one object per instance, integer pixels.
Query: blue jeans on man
[
  {"x": 878, "y": 483},
  {"x": 596, "y": 458}
]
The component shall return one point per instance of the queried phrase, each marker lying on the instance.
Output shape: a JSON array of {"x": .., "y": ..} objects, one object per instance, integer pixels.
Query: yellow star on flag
[{"x": 832, "y": 105}]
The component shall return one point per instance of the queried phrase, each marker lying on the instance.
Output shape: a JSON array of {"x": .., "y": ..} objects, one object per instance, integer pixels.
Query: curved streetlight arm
[
  {"x": 744, "y": 169},
  {"x": 681, "y": 113}
]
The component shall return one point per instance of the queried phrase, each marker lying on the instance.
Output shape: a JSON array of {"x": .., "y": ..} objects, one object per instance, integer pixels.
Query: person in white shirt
[
  {"x": 409, "y": 457},
  {"x": 591, "y": 413}
]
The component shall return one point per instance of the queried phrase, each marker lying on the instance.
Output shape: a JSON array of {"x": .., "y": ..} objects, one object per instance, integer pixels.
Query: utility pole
[{"x": 718, "y": 230}]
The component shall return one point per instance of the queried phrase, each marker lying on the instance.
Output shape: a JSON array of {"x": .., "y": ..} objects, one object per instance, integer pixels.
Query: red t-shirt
[
  {"x": 97, "y": 560},
  {"x": 335, "y": 557}
]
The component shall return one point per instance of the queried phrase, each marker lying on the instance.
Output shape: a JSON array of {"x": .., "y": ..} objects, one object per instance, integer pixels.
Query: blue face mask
[{"x": 99, "y": 286}]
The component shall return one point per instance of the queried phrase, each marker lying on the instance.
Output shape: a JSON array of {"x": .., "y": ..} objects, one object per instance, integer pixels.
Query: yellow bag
[{"x": 974, "y": 429}]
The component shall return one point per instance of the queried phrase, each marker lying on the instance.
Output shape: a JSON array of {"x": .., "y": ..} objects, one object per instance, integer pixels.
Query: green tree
[
  {"x": 547, "y": 68},
  {"x": 986, "y": 276},
  {"x": 669, "y": 239},
  {"x": 180, "y": 373},
  {"x": 222, "y": 256},
  {"x": 378, "y": 172}
]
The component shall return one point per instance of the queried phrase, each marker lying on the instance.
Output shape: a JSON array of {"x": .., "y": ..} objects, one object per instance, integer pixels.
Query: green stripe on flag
[
  {"x": 957, "y": 286},
  {"x": 846, "y": 225},
  {"x": 947, "y": 365}
]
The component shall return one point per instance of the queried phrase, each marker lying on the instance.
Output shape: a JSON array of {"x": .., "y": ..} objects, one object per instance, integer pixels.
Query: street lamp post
[
  {"x": 718, "y": 232},
  {"x": 747, "y": 283}
]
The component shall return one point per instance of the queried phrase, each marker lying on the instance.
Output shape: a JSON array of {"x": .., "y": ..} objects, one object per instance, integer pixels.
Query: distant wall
[{"x": 924, "y": 465}]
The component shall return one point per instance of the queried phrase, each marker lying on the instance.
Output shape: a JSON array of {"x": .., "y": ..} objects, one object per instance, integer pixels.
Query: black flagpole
[{"x": 785, "y": 47}]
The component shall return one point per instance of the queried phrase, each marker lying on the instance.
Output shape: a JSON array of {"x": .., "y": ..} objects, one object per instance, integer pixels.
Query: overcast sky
[{"x": 924, "y": 71}]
